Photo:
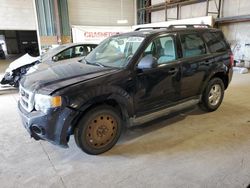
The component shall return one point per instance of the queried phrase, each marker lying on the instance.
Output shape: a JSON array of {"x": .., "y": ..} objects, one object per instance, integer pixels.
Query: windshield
[{"x": 115, "y": 51}]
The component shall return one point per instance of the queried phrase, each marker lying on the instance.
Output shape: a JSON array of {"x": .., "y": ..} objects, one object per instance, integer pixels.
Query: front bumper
[{"x": 53, "y": 126}]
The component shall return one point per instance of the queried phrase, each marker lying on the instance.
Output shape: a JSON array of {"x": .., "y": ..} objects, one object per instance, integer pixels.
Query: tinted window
[
  {"x": 192, "y": 45},
  {"x": 81, "y": 51},
  {"x": 163, "y": 49},
  {"x": 66, "y": 54},
  {"x": 215, "y": 41}
]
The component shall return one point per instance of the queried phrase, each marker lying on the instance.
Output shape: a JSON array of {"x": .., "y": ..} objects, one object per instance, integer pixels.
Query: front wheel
[
  {"x": 99, "y": 130},
  {"x": 212, "y": 95}
]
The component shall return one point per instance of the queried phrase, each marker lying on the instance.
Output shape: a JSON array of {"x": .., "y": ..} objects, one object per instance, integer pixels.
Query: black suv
[{"x": 129, "y": 79}]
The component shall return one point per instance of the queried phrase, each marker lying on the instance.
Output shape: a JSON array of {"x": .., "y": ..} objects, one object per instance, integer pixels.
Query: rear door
[
  {"x": 196, "y": 63},
  {"x": 218, "y": 45}
]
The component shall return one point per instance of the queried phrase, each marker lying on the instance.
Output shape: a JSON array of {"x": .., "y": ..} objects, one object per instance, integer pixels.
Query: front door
[
  {"x": 158, "y": 87},
  {"x": 75, "y": 53}
]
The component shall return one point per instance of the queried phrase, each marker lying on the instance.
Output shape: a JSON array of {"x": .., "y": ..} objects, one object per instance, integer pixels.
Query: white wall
[
  {"x": 100, "y": 13},
  {"x": 158, "y": 16},
  {"x": 187, "y": 11},
  {"x": 238, "y": 34},
  {"x": 153, "y": 2},
  {"x": 17, "y": 15},
  {"x": 236, "y": 7},
  {"x": 172, "y": 13},
  {"x": 194, "y": 10}
]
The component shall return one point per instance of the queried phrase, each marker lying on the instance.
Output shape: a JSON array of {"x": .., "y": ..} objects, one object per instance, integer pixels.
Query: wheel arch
[
  {"x": 221, "y": 74},
  {"x": 112, "y": 96},
  {"x": 223, "y": 77}
]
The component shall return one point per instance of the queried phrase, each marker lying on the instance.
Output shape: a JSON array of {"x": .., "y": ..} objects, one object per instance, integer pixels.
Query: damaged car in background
[
  {"x": 27, "y": 64},
  {"x": 2, "y": 54}
]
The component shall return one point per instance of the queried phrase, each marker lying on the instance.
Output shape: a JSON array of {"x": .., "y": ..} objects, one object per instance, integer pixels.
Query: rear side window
[
  {"x": 192, "y": 45},
  {"x": 215, "y": 42}
]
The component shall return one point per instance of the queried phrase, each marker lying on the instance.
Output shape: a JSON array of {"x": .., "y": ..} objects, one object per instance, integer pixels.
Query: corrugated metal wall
[
  {"x": 45, "y": 15},
  {"x": 100, "y": 13},
  {"x": 64, "y": 15}
]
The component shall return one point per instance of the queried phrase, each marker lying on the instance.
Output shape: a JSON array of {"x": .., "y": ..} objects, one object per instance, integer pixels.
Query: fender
[
  {"x": 223, "y": 70},
  {"x": 101, "y": 94},
  {"x": 95, "y": 95}
]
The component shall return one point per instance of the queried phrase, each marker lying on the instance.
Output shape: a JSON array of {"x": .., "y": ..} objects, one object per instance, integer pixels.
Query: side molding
[{"x": 149, "y": 117}]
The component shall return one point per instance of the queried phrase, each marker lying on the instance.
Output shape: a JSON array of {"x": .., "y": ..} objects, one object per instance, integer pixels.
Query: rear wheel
[
  {"x": 213, "y": 95},
  {"x": 99, "y": 130}
]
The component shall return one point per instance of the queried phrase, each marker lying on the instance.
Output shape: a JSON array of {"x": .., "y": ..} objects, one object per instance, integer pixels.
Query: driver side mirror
[
  {"x": 147, "y": 62},
  {"x": 55, "y": 58}
]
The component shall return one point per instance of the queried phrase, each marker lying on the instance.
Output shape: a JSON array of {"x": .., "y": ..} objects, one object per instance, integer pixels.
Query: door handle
[
  {"x": 173, "y": 70},
  {"x": 205, "y": 63}
]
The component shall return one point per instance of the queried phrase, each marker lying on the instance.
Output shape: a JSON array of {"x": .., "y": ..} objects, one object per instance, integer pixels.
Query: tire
[
  {"x": 98, "y": 130},
  {"x": 212, "y": 95}
]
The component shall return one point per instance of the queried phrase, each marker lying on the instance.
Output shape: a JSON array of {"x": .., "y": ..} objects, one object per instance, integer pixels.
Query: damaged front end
[
  {"x": 8, "y": 78},
  {"x": 46, "y": 117},
  {"x": 18, "y": 68},
  {"x": 12, "y": 77}
]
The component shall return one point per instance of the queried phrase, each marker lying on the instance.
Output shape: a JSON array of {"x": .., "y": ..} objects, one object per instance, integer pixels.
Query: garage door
[
  {"x": 103, "y": 13},
  {"x": 17, "y": 15}
]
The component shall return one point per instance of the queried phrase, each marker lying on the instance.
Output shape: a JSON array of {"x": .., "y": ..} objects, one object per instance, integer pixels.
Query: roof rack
[
  {"x": 176, "y": 26},
  {"x": 142, "y": 28},
  {"x": 189, "y": 26}
]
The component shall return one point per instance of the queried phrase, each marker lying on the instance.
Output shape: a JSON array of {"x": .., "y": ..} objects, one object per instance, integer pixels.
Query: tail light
[{"x": 231, "y": 60}]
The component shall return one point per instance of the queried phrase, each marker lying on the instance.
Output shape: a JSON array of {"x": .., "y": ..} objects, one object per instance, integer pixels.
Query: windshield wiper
[
  {"x": 96, "y": 63},
  {"x": 99, "y": 64}
]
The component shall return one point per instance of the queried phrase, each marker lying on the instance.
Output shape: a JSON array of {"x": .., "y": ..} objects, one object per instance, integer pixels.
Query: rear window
[
  {"x": 215, "y": 42},
  {"x": 192, "y": 45}
]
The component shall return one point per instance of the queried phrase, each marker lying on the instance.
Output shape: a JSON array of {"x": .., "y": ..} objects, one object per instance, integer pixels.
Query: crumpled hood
[
  {"x": 49, "y": 78},
  {"x": 23, "y": 60}
]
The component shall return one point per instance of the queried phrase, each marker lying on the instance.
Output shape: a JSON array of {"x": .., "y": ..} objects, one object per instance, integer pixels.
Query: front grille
[{"x": 26, "y": 99}]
